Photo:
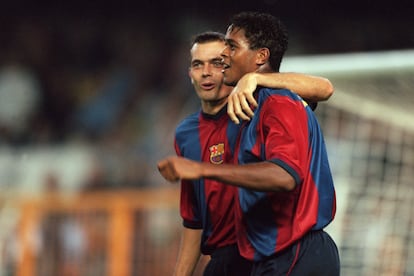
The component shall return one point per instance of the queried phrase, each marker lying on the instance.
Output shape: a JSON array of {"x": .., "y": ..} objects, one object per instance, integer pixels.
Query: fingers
[
  {"x": 167, "y": 170},
  {"x": 161, "y": 164},
  {"x": 251, "y": 100},
  {"x": 239, "y": 107},
  {"x": 230, "y": 111},
  {"x": 246, "y": 110}
]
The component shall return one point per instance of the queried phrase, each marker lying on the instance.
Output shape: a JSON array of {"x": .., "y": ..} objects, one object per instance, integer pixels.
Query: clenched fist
[{"x": 176, "y": 168}]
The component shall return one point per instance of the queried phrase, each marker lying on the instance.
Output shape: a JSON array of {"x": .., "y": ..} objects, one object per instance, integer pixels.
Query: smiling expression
[{"x": 238, "y": 58}]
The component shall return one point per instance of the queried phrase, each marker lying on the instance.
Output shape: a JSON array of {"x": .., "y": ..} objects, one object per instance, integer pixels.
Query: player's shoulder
[
  {"x": 189, "y": 123},
  {"x": 266, "y": 93}
]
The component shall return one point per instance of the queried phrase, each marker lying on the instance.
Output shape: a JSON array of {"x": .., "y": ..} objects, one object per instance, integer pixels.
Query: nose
[
  {"x": 207, "y": 70},
  {"x": 225, "y": 52}
]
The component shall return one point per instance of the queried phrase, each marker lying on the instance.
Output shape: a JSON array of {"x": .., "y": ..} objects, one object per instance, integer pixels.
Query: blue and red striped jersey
[
  {"x": 284, "y": 131},
  {"x": 208, "y": 204}
]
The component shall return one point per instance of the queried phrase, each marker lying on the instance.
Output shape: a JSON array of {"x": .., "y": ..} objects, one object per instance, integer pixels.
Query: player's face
[
  {"x": 207, "y": 76},
  {"x": 238, "y": 58}
]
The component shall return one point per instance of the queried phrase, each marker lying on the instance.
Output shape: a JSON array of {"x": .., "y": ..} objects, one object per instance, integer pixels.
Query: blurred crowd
[{"x": 110, "y": 86}]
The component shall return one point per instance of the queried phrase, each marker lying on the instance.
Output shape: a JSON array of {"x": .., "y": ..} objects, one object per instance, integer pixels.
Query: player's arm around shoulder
[
  {"x": 241, "y": 101},
  {"x": 309, "y": 87}
]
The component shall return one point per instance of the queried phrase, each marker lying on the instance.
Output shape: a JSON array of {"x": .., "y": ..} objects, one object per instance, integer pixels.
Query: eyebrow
[
  {"x": 209, "y": 60},
  {"x": 231, "y": 41}
]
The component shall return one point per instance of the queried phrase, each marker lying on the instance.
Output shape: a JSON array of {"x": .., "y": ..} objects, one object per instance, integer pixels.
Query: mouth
[
  {"x": 225, "y": 67},
  {"x": 208, "y": 85}
]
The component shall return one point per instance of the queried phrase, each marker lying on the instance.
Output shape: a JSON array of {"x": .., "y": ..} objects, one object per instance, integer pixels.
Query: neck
[
  {"x": 213, "y": 107},
  {"x": 265, "y": 68}
]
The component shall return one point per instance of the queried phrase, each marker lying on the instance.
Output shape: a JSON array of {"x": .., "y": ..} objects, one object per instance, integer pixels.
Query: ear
[{"x": 262, "y": 56}]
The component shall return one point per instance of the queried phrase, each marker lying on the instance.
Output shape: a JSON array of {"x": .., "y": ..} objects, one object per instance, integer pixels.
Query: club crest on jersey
[{"x": 217, "y": 153}]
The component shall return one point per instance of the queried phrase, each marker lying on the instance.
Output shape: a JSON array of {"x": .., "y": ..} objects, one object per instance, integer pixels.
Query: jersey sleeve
[
  {"x": 285, "y": 134},
  {"x": 188, "y": 207},
  {"x": 189, "y": 210}
]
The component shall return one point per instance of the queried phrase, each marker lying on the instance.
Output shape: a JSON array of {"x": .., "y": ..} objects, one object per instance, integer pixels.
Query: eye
[
  {"x": 217, "y": 63},
  {"x": 196, "y": 65},
  {"x": 230, "y": 45}
]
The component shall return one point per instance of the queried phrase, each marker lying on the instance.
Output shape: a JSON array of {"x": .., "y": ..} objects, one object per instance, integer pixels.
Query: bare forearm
[
  {"x": 189, "y": 253},
  {"x": 241, "y": 101},
  {"x": 309, "y": 87},
  {"x": 263, "y": 176}
]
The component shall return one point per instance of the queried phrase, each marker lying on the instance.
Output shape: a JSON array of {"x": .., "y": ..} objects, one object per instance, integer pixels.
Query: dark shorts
[
  {"x": 316, "y": 254},
  {"x": 227, "y": 261}
]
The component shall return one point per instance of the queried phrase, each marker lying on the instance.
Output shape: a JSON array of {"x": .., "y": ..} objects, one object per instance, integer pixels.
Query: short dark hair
[
  {"x": 263, "y": 30},
  {"x": 208, "y": 36}
]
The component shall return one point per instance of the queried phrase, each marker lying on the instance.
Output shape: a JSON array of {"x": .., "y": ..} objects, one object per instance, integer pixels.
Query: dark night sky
[{"x": 320, "y": 26}]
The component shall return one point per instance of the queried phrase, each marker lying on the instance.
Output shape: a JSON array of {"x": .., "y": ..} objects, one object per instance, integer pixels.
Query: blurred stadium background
[{"x": 90, "y": 93}]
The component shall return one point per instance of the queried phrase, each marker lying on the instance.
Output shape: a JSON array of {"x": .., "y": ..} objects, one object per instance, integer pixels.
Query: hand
[
  {"x": 241, "y": 99},
  {"x": 176, "y": 168}
]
